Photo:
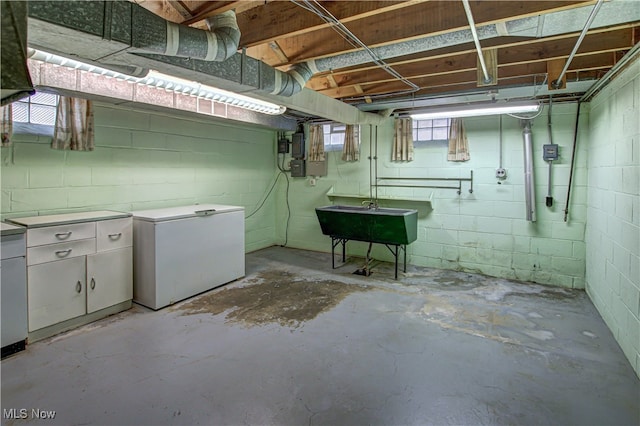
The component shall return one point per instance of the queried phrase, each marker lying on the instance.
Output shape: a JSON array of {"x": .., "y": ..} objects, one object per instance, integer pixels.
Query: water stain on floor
[{"x": 273, "y": 296}]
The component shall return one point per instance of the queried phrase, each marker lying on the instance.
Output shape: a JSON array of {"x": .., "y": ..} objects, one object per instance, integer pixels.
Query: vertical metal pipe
[
  {"x": 529, "y": 178},
  {"x": 371, "y": 181}
]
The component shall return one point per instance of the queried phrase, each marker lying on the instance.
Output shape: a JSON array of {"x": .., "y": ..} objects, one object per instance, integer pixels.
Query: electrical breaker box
[
  {"x": 283, "y": 146},
  {"x": 550, "y": 152},
  {"x": 297, "y": 168},
  {"x": 297, "y": 146}
]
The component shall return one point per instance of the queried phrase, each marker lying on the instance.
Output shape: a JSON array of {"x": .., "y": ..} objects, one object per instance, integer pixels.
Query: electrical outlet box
[
  {"x": 297, "y": 168},
  {"x": 501, "y": 173},
  {"x": 550, "y": 152},
  {"x": 297, "y": 146},
  {"x": 283, "y": 146}
]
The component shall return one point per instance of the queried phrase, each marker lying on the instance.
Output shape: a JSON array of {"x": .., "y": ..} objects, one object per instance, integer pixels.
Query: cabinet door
[
  {"x": 109, "y": 278},
  {"x": 56, "y": 292}
]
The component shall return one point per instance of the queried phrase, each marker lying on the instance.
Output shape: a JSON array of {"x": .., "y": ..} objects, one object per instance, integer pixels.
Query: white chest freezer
[{"x": 179, "y": 252}]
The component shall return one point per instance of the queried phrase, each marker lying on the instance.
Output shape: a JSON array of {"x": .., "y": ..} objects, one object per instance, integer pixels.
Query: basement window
[
  {"x": 429, "y": 131},
  {"x": 334, "y": 136},
  {"x": 35, "y": 115}
]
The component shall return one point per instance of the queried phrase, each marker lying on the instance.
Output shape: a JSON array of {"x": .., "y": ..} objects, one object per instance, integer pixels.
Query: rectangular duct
[{"x": 15, "y": 79}]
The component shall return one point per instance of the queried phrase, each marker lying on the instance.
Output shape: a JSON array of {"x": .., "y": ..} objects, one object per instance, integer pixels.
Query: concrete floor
[{"x": 297, "y": 343}]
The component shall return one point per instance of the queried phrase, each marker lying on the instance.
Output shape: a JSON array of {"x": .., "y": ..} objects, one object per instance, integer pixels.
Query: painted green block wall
[
  {"x": 146, "y": 160},
  {"x": 613, "y": 214},
  {"x": 485, "y": 231}
]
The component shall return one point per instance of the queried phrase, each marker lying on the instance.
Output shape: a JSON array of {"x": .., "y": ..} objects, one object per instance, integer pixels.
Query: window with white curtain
[
  {"x": 429, "y": 131},
  {"x": 35, "y": 114},
  {"x": 334, "y": 136}
]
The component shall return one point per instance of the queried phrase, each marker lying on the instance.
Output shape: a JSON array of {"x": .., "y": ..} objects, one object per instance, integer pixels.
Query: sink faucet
[{"x": 370, "y": 204}]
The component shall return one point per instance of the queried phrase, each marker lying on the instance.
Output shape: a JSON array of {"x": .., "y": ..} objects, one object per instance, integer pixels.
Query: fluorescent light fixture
[
  {"x": 168, "y": 83},
  {"x": 472, "y": 110}
]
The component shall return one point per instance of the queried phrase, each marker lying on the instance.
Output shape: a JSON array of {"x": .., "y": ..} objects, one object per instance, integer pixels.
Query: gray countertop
[{"x": 67, "y": 218}]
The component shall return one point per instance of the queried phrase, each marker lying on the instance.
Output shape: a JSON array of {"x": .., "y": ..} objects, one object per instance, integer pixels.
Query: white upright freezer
[{"x": 179, "y": 252}]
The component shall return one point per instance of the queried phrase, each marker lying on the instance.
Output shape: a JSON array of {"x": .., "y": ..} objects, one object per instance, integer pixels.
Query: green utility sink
[{"x": 377, "y": 225}]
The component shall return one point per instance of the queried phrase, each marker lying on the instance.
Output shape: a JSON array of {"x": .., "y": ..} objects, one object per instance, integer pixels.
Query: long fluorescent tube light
[
  {"x": 477, "y": 110},
  {"x": 166, "y": 82}
]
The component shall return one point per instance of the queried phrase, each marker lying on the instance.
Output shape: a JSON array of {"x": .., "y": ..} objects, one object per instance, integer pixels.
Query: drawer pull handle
[
  {"x": 93, "y": 283},
  {"x": 206, "y": 212},
  {"x": 78, "y": 287},
  {"x": 115, "y": 236},
  {"x": 63, "y": 235},
  {"x": 63, "y": 253}
]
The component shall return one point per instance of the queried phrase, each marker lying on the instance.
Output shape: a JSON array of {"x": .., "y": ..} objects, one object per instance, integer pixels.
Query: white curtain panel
[
  {"x": 458, "y": 143},
  {"x": 6, "y": 125},
  {"x": 316, "y": 143},
  {"x": 74, "y": 125},
  {"x": 350, "y": 149},
  {"x": 403, "y": 140}
]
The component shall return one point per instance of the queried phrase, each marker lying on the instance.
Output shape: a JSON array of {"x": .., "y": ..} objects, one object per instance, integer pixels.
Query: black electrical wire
[
  {"x": 266, "y": 196},
  {"x": 286, "y": 229},
  {"x": 573, "y": 157}
]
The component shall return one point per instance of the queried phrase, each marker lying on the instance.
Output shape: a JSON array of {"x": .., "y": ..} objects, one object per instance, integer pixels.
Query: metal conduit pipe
[
  {"x": 476, "y": 41},
  {"x": 558, "y": 82},
  {"x": 529, "y": 178}
]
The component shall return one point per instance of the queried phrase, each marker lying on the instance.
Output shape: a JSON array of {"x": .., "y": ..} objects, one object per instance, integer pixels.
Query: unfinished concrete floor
[{"x": 296, "y": 343}]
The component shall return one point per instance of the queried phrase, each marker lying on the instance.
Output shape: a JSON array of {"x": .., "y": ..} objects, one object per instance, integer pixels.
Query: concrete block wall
[
  {"x": 484, "y": 231},
  {"x": 146, "y": 160},
  {"x": 613, "y": 214}
]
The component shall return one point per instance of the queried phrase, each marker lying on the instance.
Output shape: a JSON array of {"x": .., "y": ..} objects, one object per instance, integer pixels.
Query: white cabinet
[
  {"x": 110, "y": 280},
  {"x": 13, "y": 297},
  {"x": 56, "y": 292},
  {"x": 79, "y": 269}
]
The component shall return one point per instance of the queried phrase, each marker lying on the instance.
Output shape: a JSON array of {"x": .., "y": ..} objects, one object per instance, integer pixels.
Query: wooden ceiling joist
[{"x": 409, "y": 23}]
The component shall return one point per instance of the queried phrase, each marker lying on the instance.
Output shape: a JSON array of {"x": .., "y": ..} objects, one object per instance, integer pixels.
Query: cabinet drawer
[
  {"x": 60, "y": 251},
  {"x": 60, "y": 233},
  {"x": 114, "y": 234}
]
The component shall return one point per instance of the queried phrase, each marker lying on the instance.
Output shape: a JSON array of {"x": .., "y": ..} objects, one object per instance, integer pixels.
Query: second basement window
[
  {"x": 427, "y": 131},
  {"x": 334, "y": 136}
]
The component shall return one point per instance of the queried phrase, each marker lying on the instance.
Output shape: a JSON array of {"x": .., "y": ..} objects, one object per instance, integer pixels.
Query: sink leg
[
  {"x": 405, "y": 258},
  {"x": 344, "y": 243},
  {"x": 396, "y": 262},
  {"x": 333, "y": 260}
]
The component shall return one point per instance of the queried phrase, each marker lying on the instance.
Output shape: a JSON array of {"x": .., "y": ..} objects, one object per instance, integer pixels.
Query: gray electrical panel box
[
  {"x": 550, "y": 152},
  {"x": 316, "y": 168},
  {"x": 297, "y": 146},
  {"x": 297, "y": 168}
]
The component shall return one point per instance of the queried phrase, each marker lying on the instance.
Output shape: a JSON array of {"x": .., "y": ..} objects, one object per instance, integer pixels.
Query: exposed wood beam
[
  {"x": 410, "y": 23},
  {"x": 506, "y": 74},
  {"x": 278, "y": 51},
  {"x": 212, "y": 8},
  {"x": 281, "y": 19},
  {"x": 181, "y": 8},
  {"x": 513, "y": 54},
  {"x": 332, "y": 81}
]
